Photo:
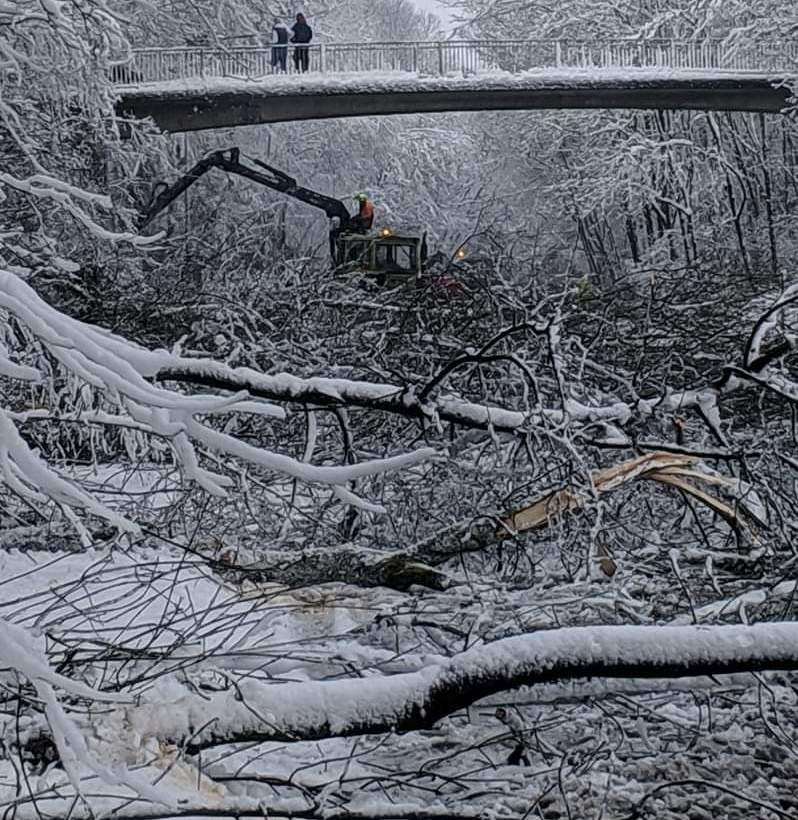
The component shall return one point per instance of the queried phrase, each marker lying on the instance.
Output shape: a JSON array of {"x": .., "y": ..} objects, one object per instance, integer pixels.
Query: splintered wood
[{"x": 678, "y": 471}]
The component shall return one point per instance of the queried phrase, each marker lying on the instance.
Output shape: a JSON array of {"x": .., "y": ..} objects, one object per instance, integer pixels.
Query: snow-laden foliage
[
  {"x": 243, "y": 22},
  {"x": 736, "y": 21},
  {"x": 116, "y": 368}
]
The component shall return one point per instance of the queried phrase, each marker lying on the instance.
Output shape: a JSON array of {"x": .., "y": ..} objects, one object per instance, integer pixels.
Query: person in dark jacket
[
  {"x": 302, "y": 34},
  {"x": 279, "y": 45}
]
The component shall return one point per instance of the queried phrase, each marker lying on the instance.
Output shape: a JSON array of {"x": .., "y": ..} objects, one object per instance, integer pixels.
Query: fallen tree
[
  {"x": 417, "y": 402},
  {"x": 255, "y": 711},
  {"x": 400, "y": 569}
]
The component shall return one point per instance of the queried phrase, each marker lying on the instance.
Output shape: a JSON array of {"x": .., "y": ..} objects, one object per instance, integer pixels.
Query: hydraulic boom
[
  {"x": 385, "y": 256},
  {"x": 230, "y": 160}
]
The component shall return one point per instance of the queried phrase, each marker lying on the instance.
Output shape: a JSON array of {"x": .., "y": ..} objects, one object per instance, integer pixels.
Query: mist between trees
[{"x": 516, "y": 540}]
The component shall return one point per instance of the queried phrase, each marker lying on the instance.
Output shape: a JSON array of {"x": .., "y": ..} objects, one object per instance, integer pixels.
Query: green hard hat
[{"x": 361, "y": 197}]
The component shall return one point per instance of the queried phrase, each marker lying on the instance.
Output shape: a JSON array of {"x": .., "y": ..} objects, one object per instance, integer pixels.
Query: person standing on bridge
[
  {"x": 303, "y": 34},
  {"x": 279, "y": 45}
]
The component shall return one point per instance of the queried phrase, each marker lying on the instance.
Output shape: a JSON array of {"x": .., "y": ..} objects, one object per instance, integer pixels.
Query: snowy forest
[{"x": 514, "y": 540}]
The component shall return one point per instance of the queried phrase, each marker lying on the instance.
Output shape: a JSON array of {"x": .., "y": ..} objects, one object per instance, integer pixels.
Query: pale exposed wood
[
  {"x": 665, "y": 468},
  {"x": 415, "y": 566}
]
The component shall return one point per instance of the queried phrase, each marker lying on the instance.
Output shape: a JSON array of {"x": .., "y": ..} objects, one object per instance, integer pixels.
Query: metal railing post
[{"x": 163, "y": 64}]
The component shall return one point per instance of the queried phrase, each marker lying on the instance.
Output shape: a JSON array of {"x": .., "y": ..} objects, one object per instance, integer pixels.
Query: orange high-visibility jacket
[{"x": 366, "y": 213}]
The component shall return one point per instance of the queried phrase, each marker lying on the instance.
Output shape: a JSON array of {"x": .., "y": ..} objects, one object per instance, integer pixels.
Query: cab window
[
  {"x": 406, "y": 257},
  {"x": 396, "y": 257},
  {"x": 357, "y": 252}
]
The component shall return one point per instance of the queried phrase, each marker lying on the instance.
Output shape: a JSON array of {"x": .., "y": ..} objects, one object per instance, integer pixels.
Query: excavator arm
[{"x": 230, "y": 161}]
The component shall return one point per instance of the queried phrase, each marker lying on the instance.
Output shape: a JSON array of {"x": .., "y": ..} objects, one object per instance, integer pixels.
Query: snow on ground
[
  {"x": 117, "y": 484},
  {"x": 148, "y": 597}
]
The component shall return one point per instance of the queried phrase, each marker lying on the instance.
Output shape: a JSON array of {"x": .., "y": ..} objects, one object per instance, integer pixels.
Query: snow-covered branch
[
  {"x": 257, "y": 711},
  {"x": 325, "y": 392},
  {"x": 118, "y": 369},
  {"x": 41, "y": 186},
  {"x": 404, "y": 401},
  {"x": 18, "y": 652}
]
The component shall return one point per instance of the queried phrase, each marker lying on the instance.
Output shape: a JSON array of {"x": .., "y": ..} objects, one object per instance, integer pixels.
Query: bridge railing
[{"x": 454, "y": 57}]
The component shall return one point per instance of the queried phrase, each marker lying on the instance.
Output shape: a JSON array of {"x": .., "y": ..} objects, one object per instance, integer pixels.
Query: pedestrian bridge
[{"x": 197, "y": 87}]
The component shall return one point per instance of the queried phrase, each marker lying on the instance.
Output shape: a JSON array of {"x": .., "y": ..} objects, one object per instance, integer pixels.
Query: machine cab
[{"x": 390, "y": 257}]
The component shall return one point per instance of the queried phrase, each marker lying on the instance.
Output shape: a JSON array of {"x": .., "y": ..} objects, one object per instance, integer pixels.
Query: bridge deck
[{"x": 196, "y": 103}]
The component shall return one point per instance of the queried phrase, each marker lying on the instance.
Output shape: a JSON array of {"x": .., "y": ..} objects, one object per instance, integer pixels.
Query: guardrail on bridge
[{"x": 455, "y": 57}]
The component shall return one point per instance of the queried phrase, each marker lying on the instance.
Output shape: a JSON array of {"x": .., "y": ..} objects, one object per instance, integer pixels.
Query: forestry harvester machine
[{"x": 387, "y": 256}]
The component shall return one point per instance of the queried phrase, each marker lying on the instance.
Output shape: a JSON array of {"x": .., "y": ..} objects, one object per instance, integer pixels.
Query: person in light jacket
[
  {"x": 303, "y": 34},
  {"x": 279, "y": 45}
]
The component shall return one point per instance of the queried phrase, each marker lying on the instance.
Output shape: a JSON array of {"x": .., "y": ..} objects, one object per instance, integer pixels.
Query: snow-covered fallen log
[{"x": 258, "y": 711}]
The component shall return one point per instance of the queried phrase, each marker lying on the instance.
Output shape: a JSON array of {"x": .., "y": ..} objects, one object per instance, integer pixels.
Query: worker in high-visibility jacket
[{"x": 364, "y": 219}]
